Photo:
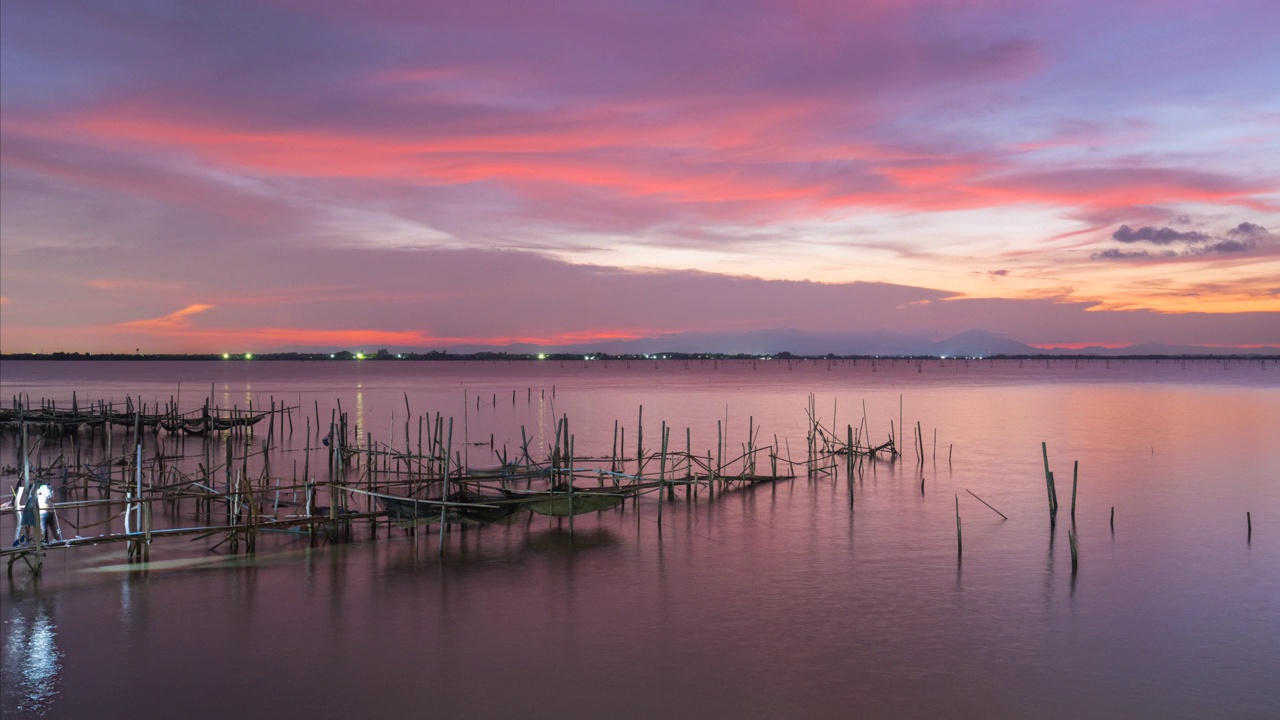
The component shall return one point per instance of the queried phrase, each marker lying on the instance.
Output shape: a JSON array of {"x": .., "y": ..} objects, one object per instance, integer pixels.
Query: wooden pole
[
  {"x": 719, "y": 456},
  {"x": 688, "y": 454},
  {"x": 1048, "y": 478},
  {"x": 613, "y": 457},
  {"x": 1075, "y": 477},
  {"x": 984, "y": 502},
  {"x": 569, "y": 444},
  {"x": 662, "y": 472},
  {"x": 444, "y": 497},
  {"x": 640, "y": 442}
]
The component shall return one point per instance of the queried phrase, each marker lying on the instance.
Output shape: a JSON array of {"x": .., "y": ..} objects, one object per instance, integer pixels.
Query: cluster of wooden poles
[{"x": 156, "y": 487}]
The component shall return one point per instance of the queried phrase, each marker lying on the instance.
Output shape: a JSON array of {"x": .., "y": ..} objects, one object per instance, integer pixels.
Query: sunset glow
[{"x": 189, "y": 177}]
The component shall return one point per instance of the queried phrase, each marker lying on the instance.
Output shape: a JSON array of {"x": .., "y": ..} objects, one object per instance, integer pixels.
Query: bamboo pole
[
  {"x": 1075, "y": 477},
  {"x": 640, "y": 442},
  {"x": 688, "y": 454},
  {"x": 1048, "y": 482},
  {"x": 444, "y": 496},
  {"x": 719, "y": 456},
  {"x": 569, "y": 443},
  {"x": 662, "y": 473},
  {"x": 613, "y": 456},
  {"x": 984, "y": 502}
]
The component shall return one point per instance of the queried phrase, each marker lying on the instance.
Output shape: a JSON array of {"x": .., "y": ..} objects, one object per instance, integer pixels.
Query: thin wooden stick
[
  {"x": 1075, "y": 477},
  {"x": 984, "y": 502}
]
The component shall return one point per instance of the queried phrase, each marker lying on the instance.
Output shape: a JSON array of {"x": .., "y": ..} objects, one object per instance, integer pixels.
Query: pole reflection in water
[
  {"x": 823, "y": 596},
  {"x": 32, "y": 662}
]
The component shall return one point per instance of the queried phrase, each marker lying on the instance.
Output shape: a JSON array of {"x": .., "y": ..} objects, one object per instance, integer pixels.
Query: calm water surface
[{"x": 812, "y": 598}]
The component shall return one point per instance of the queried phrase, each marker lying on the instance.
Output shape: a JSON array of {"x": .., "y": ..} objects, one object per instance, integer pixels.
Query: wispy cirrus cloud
[{"x": 173, "y": 321}]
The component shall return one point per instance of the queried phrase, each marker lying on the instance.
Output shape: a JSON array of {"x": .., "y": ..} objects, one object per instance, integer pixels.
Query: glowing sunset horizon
[{"x": 316, "y": 176}]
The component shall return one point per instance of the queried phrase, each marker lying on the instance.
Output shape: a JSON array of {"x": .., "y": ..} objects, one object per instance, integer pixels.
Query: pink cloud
[{"x": 176, "y": 320}]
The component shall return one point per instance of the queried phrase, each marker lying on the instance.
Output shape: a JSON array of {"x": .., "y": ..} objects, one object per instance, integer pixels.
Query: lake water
[{"x": 784, "y": 600}]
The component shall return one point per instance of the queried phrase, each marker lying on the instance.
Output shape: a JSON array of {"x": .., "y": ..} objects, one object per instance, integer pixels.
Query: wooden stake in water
[
  {"x": 662, "y": 472},
  {"x": 569, "y": 443},
  {"x": 1075, "y": 560},
  {"x": 719, "y": 459},
  {"x": 1248, "y": 518},
  {"x": 984, "y": 502},
  {"x": 444, "y": 494},
  {"x": 1048, "y": 479},
  {"x": 1075, "y": 477},
  {"x": 613, "y": 463},
  {"x": 959, "y": 540},
  {"x": 1053, "y": 497},
  {"x": 640, "y": 441}
]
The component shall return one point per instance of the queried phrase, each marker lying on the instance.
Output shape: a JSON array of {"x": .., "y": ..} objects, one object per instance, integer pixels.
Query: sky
[{"x": 315, "y": 175}]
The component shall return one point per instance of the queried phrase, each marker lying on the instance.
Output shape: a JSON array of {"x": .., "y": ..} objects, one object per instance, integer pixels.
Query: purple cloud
[
  {"x": 1242, "y": 239},
  {"x": 1248, "y": 230},
  {"x": 1157, "y": 236},
  {"x": 1118, "y": 254},
  {"x": 1222, "y": 247}
]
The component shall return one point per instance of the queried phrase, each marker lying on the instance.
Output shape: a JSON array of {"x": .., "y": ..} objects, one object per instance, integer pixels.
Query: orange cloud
[
  {"x": 174, "y": 331},
  {"x": 174, "y": 320},
  {"x": 114, "y": 284}
]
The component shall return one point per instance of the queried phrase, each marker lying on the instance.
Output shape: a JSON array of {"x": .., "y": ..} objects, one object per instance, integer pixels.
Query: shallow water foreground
[{"x": 816, "y": 597}]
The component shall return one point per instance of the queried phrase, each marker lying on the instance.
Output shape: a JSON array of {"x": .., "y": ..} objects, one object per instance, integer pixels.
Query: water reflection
[
  {"x": 32, "y": 663},
  {"x": 1174, "y": 618},
  {"x": 360, "y": 424}
]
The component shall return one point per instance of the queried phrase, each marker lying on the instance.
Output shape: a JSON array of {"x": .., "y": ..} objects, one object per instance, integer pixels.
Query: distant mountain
[
  {"x": 981, "y": 343},
  {"x": 1161, "y": 349}
]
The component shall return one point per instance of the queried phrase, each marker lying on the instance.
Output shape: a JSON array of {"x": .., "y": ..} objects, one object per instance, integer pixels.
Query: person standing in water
[
  {"x": 26, "y": 512},
  {"x": 48, "y": 518}
]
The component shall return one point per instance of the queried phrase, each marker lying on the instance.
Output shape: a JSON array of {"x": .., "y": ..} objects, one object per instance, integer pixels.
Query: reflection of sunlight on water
[
  {"x": 31, "y": 664},
  {"x": 359, "y": 413},
  {"x": 126, "y": 600},
  {"x": 542, "y": 426}
]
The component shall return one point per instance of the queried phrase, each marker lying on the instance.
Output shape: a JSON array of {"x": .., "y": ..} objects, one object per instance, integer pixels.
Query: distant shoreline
[{"x": 436, "y": 356}]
